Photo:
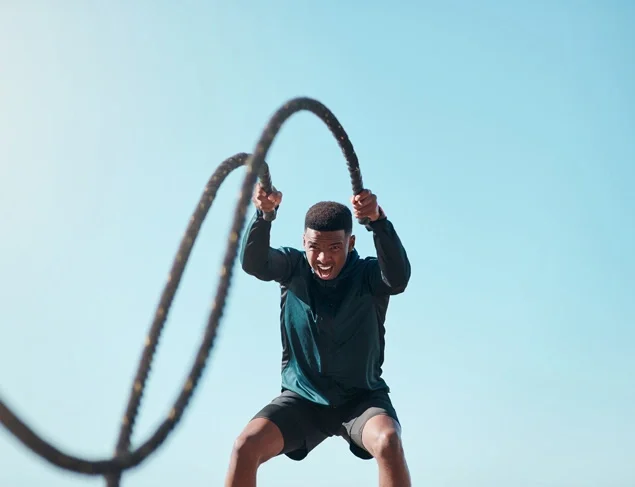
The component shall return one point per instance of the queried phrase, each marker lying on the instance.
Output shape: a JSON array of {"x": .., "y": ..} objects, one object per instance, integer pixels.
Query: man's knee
[
  {"x": 382, "y": 438},
  {"x": 260, "y": 441},
  {"x": 387, "y": 444}
]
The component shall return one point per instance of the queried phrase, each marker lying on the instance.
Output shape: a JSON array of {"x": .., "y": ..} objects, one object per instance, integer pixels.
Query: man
[{"x": 333, "y": 307}]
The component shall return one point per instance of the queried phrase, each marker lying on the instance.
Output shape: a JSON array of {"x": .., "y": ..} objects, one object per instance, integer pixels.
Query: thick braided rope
[{"x": 256, "y": 168}]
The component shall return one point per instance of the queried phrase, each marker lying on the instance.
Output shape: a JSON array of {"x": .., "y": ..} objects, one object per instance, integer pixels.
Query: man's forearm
[
  {"x": 255, "y": 246},
  {"x": 391, "y": 255}
]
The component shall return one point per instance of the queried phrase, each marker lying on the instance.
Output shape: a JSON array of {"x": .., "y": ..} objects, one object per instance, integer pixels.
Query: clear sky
[{"x": 499, "y": 138}]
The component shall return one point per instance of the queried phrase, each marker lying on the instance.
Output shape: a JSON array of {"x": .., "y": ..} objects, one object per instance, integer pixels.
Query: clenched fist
[
  {"x": 264, "y": 202},
  {"x": 365, "y": 206}
]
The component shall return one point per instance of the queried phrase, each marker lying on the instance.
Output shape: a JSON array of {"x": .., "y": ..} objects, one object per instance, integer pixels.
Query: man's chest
[{"x": 332, "y": 312}]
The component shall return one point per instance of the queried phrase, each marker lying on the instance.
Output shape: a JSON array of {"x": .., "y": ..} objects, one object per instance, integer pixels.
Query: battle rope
[{"x": 256, "y": 169}]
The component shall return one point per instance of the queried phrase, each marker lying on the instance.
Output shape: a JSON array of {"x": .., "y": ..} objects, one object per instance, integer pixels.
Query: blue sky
[{"x": 499, "y": 140}]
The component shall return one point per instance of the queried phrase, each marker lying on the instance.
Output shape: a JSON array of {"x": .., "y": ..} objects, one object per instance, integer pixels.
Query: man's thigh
[
  {"x": 299, "y": 422},
  {"x": 367, "y": 407}
]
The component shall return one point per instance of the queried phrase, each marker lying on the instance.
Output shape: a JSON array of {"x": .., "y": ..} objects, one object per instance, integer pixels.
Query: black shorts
[{"x": 304, "y": 424}]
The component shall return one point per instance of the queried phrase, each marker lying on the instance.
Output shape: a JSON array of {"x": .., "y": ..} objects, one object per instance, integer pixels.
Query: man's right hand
[{"x": 266, "y": 203}]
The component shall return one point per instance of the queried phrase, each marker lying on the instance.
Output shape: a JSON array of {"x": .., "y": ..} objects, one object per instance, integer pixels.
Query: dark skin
[
  {"x": 326, "y": 252},
  {"x": 261, "y": 440}
]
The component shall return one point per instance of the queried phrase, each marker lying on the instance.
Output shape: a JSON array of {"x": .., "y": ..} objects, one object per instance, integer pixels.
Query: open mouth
[{"x": 324, "y": 271}]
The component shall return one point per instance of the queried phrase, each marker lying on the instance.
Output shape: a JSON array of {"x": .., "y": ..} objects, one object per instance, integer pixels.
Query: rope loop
[{"x": 256, "y": 170}]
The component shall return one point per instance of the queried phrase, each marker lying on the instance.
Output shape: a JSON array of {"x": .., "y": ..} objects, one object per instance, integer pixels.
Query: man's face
[{"x": 327, "y": 251}]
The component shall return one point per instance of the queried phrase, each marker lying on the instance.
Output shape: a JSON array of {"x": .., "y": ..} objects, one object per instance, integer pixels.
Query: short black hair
[{"x": 329, "y": 216}]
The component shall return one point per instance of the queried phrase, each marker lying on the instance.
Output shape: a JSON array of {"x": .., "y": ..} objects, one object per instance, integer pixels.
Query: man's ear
[{"x": 351, "y": 243}]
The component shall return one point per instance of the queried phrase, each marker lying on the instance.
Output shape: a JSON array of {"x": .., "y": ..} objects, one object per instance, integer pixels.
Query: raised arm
[
  {"x": 390, "y": 272},
  {"x": 256, "y": 255}
]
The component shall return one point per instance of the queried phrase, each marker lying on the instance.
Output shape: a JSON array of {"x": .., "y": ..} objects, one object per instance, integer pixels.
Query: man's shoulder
[
  {"x": 292, "y": 252},
  {"x": 295, "y": 256},
  {"x": 362, "y": 266},
  {"x": 364, "y": 262},
  {"x": 296, "y": 264},
  {"x": 368, "y": 258}
]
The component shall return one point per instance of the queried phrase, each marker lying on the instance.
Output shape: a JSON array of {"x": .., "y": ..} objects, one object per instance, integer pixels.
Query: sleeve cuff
[
  {"x": 260, "y": 214},
  {"x": 378, "y": 224}
]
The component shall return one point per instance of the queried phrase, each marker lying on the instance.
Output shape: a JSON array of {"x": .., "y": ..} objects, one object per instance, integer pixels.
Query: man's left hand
[{"x": 365, "y": 206}]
